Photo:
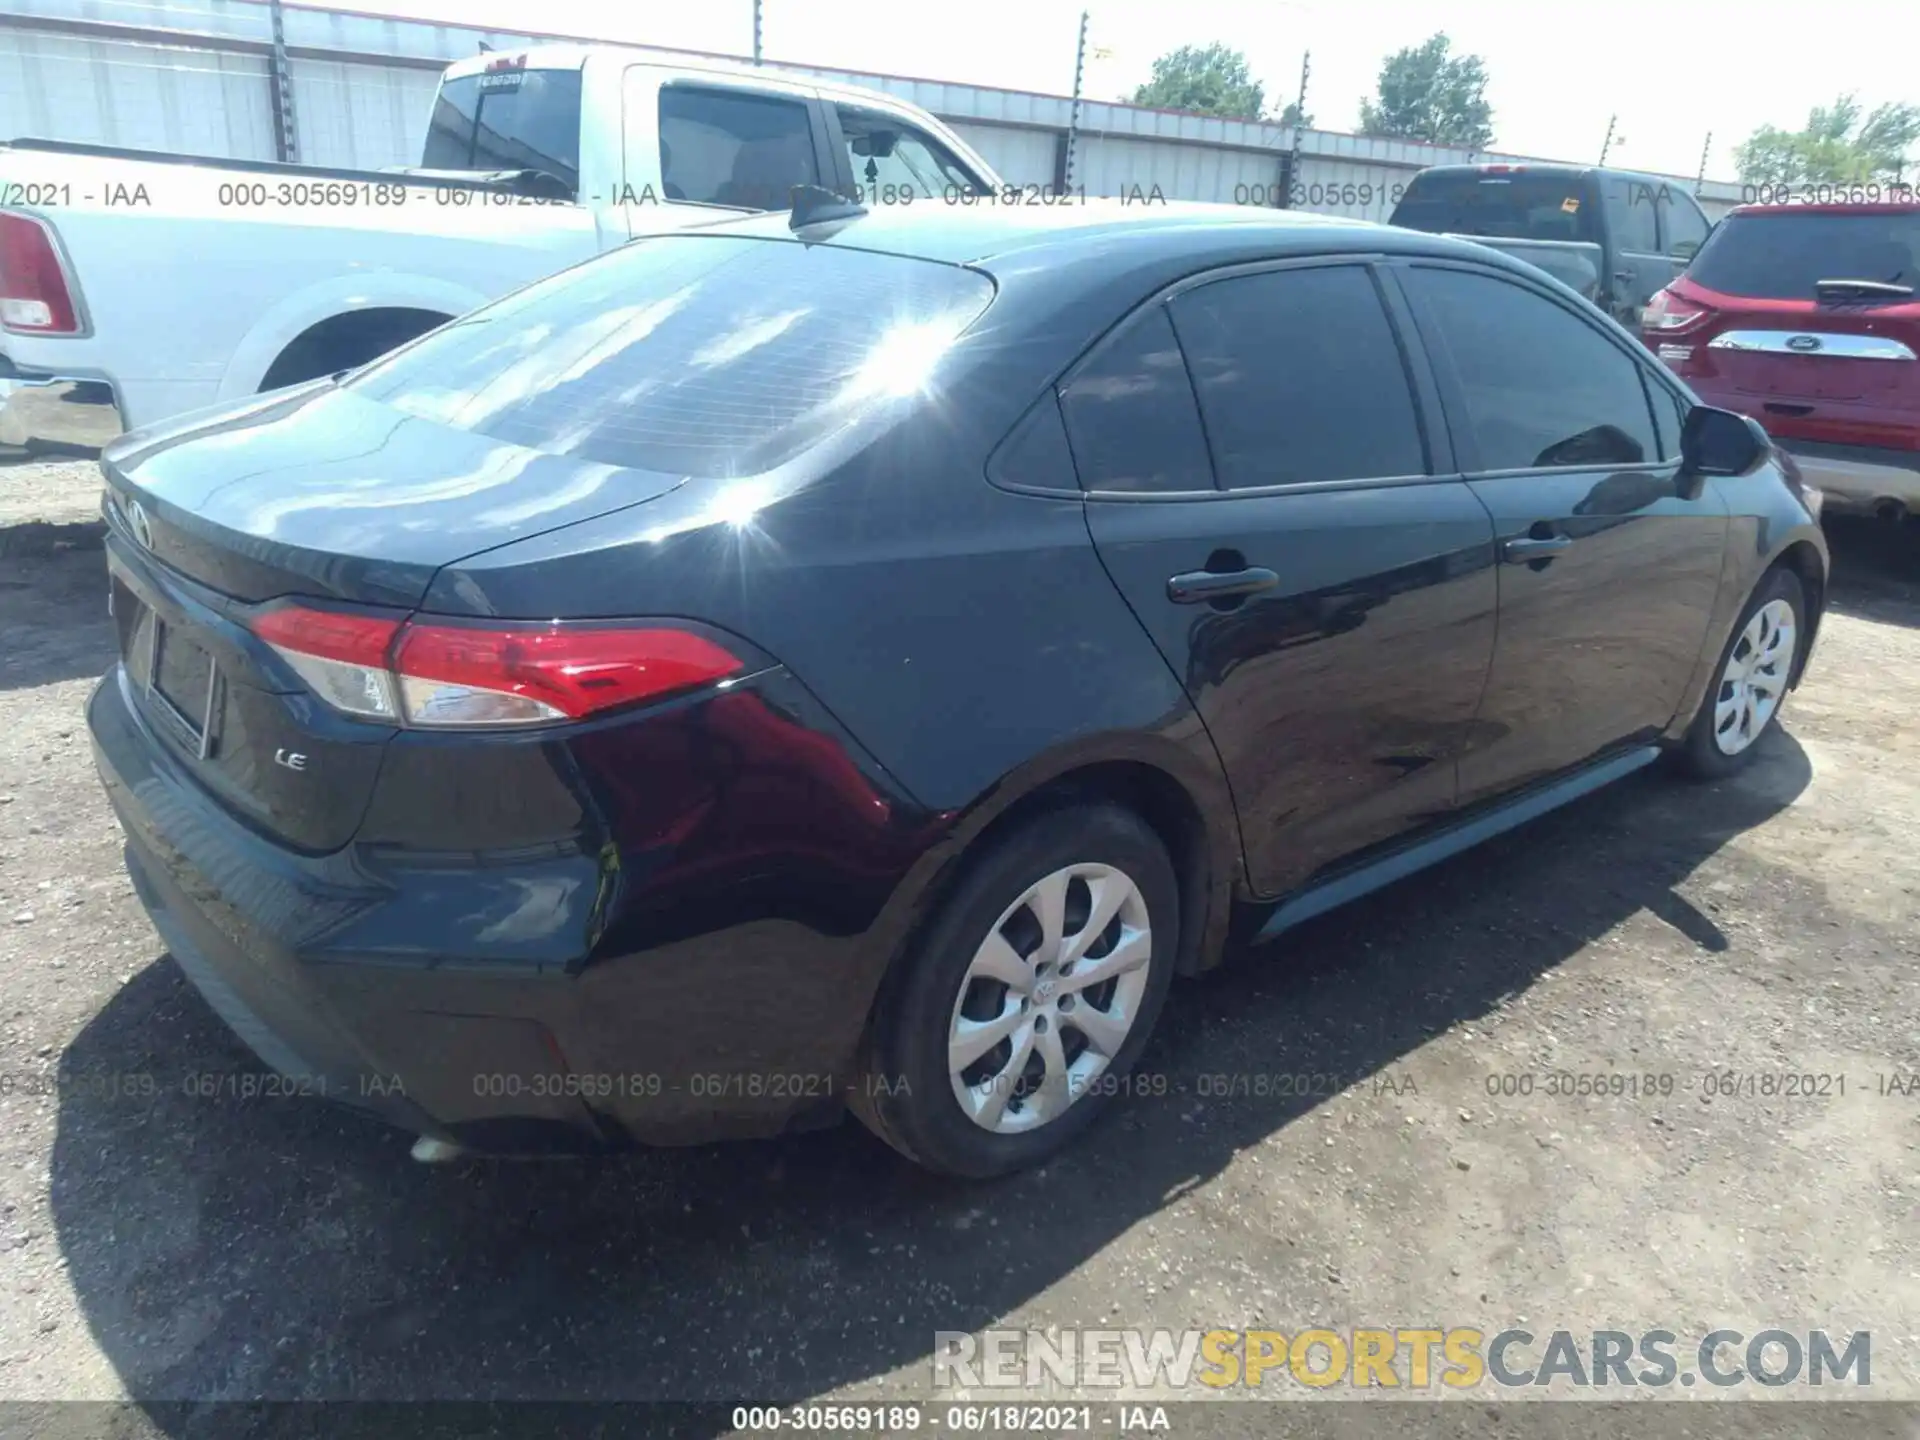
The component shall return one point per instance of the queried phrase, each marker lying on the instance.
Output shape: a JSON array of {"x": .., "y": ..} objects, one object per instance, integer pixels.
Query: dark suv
[{"x": 806, "y": 663}]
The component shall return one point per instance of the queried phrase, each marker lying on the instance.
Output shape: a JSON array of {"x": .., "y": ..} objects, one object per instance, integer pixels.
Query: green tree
[
  {"x": 1836, "y": 144},
  {"x": 1205, "y": 80},
  {"x": 1292, "y": 115},
  {"x": 1427, "y": 93}
]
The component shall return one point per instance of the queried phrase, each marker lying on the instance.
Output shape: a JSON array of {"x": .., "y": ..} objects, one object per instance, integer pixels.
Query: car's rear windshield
[
  {"x": 509, "y": 119},
  {"x": 1781, "y": 256},
  {"x": 700, "y": 355},
  {"x": 1496, "y": 206}
]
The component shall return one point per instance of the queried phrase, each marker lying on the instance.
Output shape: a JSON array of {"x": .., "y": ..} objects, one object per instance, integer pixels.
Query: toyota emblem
[
  {"x": 138, "y": 523},
  {"x": 1804, "y": 342}
]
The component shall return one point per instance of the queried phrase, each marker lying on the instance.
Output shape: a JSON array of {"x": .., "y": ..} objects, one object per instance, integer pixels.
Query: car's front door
[
  {"x": 1328, "y": 599},
  {"x": 1611, "y": 559}
]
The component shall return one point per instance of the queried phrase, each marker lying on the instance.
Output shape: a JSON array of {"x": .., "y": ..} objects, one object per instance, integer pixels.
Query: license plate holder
[{"x": 184, "y": 684}]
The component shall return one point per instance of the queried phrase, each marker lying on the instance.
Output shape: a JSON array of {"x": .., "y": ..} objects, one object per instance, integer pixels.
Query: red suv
[{"x": 1806, "y": 318}]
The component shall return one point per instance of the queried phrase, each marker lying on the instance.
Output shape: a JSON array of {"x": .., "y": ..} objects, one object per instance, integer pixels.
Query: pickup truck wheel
[{"x": 345, "y": 342}]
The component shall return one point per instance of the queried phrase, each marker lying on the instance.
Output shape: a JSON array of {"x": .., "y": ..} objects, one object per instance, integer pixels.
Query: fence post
[
  {"x": 1290, "y": 162},
  {"x": 1073, "y": 115},
  {"x": 286, "y": 142}
]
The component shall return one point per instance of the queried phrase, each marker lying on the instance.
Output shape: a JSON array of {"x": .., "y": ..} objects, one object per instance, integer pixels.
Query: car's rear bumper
[
  {"x": 1857, "y": 478},
  {"x": 245, "y": 919},
  {"x": 537, "y": 998},
  {"x": 50, "y": 416}
]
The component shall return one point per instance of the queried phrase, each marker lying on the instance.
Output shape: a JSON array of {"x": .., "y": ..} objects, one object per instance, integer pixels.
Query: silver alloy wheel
[
  {"x": 1755, "y": 680},
  {"x": 1049, "y": 997}
]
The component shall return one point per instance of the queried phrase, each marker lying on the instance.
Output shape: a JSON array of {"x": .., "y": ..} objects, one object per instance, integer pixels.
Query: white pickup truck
[{"x": 135, "y": 285}]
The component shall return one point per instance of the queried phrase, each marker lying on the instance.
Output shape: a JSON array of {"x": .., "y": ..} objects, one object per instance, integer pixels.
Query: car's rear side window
[
  {"x": 1300, "y": 378},
  {"x": 1784, "y": 256},
  {"x": 699, "y": 355},
  {"x": 1131, "y": 416},
  {"x": 1542, "y": 387}
]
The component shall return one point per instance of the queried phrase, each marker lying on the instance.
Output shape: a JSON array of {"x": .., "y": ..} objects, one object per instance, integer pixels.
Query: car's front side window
[{"x": 1542, "y": 388}]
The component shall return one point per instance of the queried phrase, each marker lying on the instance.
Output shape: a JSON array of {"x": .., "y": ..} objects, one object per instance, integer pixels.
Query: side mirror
[
  {"x": 1719, "y": 442},
  {"x": 1685, "y": 249}
]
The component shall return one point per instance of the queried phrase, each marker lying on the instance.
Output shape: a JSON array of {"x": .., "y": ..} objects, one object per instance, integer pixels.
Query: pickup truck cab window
[
  {"x": 1683, "y": 225},
  {"x": 721, "y": 146},
  {"x": 1633, "y": 211},
  {"x": 512, "y": 118},
  {"x": 888, "y": 156}
]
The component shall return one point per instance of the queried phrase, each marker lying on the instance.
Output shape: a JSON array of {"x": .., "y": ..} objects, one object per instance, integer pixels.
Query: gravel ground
[
  {"x": 164, "y": 1247},
  {"x": 49, "y": 507}
]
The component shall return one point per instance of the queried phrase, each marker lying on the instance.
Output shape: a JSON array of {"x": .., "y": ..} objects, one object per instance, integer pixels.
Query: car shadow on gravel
[
  {"x": 225, "y": 1248},
  {"x": 1876, "y": 569},
  {"x": 54, "y": 624}
]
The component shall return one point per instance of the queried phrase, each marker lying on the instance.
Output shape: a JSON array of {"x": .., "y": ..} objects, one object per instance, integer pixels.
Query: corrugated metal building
[{"x": 194, "y": 75}]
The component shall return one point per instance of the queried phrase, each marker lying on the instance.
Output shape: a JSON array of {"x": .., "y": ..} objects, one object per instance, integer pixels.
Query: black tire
[
  {"x": 1699, "y": 755},
  {"x": 905, "y": 1095}
]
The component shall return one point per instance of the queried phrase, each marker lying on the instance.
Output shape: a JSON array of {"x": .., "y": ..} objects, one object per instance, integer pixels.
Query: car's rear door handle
[
  {"x": 1525, "y": 549},
  {"x": 1199, "y": 585}
]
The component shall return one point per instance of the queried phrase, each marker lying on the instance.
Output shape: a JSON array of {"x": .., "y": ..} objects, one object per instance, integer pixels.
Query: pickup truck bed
[{"x": 1576, "y": 263}]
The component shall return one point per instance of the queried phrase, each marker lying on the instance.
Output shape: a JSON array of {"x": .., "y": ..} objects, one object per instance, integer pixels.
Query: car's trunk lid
[
  {"x": 318, "y": 494},
  {"x": 325, "y": 493}
]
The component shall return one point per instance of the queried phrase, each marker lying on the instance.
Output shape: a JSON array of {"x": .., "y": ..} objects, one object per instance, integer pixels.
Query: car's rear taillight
[
  {"x": 34, "y": 298},
  {"x": 432, "y": 674},
  {"x": 527, "y": 674},
  {"x": 343, "y": 657},
  {"x": 1669, "y": 314}
]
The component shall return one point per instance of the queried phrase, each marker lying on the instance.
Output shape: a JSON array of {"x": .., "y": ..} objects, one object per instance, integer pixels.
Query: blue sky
[{"x": 1671, "y": 72}]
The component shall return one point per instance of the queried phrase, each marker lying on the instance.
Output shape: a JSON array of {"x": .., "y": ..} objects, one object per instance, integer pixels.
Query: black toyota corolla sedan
[{"x": 807, "y": 664}]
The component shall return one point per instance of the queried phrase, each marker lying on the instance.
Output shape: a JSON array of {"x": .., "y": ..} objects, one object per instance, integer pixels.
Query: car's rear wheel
[
  {"x": 1751, "y": 683},
  {"x": 1030, "y": 997}
]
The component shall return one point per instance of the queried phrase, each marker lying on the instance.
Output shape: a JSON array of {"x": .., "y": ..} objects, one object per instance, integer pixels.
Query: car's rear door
[
  {"x": 1328, "y": 601},
  {"x": 1611, "y": 560}
]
